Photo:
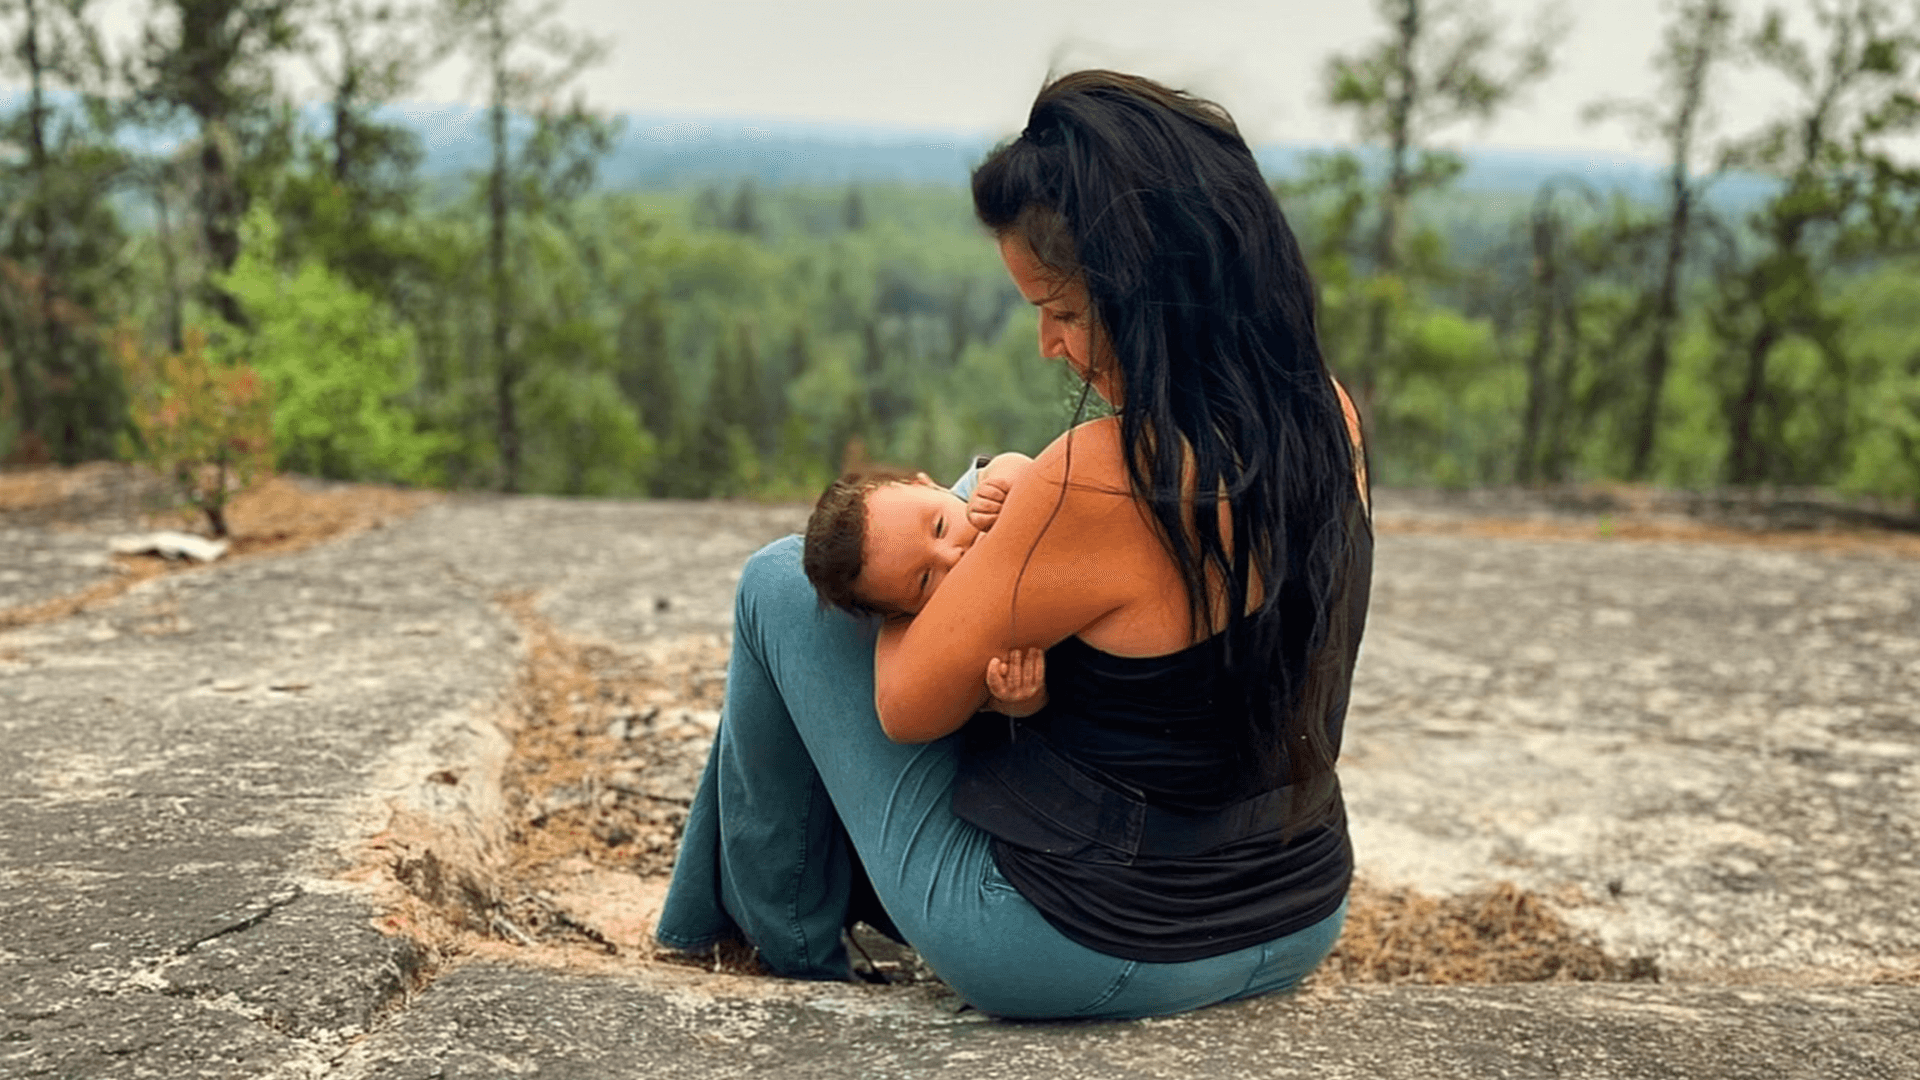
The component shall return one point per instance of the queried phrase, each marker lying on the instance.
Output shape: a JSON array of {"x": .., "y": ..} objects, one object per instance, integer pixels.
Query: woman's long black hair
[{"x": 1202, "y": 297}]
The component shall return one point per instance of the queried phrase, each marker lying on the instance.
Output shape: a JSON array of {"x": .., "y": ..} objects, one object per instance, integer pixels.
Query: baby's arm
[
  {"x": 996, "y": 480},
  {"x": 1017, "y": 682}
]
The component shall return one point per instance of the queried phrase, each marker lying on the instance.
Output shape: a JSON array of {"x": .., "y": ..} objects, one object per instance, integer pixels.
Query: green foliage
[
  {"x": 60, "y": 240},
  {"x": 1448, "y": 410},
  {"x": 1434, "y": 66},
  {"x": 518, "y": 327},
  {"x": 1883, "y": 420},
  {"x": 585, "y": 438},
  {"x": 340, "y": 365},
  {"x": 1844, "y": 194}
]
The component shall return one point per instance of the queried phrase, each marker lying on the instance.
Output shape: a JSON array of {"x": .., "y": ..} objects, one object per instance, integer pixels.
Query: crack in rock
[{"x": 275, "y": 904}]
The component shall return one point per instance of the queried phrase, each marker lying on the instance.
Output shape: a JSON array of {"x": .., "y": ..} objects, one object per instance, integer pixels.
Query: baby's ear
[{"x": 923, "y": 478}]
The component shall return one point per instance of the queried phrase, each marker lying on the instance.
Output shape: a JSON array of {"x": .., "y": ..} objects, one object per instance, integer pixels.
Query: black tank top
[{"x": 1125, "y": 810}]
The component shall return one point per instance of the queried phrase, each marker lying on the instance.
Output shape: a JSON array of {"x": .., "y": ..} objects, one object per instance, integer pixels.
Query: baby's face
[{"x": 915, "y": 533}]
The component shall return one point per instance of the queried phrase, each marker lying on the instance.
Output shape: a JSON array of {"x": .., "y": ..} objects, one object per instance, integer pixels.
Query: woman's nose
[{"x": 1052, "y": 344}]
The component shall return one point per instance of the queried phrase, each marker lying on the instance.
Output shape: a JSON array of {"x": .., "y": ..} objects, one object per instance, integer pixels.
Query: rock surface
[{"x": 1709, "y": 754}]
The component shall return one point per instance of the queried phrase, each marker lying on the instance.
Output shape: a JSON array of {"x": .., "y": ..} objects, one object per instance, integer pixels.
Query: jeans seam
[
  {"x": 1113, "y": 988},
  {"x": 746, "y": 626},
  {"x": 794, "y": 924},
  {"x": 1266, "y": 958}
]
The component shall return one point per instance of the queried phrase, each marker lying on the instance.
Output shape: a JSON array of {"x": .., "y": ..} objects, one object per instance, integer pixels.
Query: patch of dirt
[
  {"x": 608, "y": 746},
  {"x": 1499, "y": 934},
  {"x": 132, "y": 571},
  {"x": 284, "y": 514},
  {"x": 277, "y": 516},
  {"x": 55, "y": 495},
  {"x": 1905, "y": 973}
]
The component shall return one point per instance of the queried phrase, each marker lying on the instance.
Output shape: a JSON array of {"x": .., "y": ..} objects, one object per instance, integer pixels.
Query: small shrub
[{"x": 205, "y": 424}]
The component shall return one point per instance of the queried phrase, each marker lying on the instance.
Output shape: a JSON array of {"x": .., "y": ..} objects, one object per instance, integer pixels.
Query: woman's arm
[
  {"x": 1072, "y": 543},
  {"x": 1359, "y": 446}
]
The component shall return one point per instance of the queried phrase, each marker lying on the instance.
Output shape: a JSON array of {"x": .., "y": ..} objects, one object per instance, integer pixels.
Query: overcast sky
[{"x": 974, "y": 66}]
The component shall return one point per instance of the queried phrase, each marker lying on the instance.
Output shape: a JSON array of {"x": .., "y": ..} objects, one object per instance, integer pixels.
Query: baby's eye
[
  {"x": 925, "y": 577},
  {"x": 939, "y": 528}
]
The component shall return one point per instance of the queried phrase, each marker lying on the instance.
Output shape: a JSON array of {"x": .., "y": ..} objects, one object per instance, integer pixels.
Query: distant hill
[
  {"x": 660, "y": 151},
  {"x": 663, "y": 151}
]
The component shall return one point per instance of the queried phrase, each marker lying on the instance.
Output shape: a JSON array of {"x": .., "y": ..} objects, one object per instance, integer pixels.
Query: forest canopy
[{"x": 521, "y": 323}]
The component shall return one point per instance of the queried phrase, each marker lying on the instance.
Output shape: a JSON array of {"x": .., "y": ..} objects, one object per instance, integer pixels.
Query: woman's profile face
[{"x": 1067, "y": 330}]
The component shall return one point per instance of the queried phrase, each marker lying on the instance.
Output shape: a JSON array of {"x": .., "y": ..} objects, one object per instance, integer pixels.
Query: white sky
[{"x": 974, "y": 66}]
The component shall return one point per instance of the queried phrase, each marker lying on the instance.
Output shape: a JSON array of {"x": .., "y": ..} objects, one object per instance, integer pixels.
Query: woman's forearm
[{"x": 893, "y": 720}]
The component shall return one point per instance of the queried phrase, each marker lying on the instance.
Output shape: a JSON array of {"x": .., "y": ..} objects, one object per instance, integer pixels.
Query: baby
[{"x": 881, "y": 540}]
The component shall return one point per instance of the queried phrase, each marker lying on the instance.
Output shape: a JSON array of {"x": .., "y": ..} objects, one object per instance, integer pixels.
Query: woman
[{"x": 1168, "y": 833}]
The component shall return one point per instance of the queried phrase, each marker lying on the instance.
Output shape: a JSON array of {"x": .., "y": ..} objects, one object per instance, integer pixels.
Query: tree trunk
[
  {"x": 65, "y": 438},
  {"x": 506, "y": 368},
  {"x": 1545, "y": 272},
  {"x": 220, "y": 210},
  {"x": 169, "y": 266},
  {"x": 344, "y": 96},
  {"x": 1560, "y": 418},
  {"x": 1695, "y": 52},
  {"x": 1666, "y": 313},
  {"x": 32, "y": 408},
  {"x": 1386, "y": 242},
  {"x": 1744, "y": 453}
]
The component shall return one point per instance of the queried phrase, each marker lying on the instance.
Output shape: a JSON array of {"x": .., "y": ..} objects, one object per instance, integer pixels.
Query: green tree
[
  {"x": 206, "y": 424},
  {"x": 59, "y": 236},
  {"x": 1698, "y": 39},
  {"x": 648, "y": 377},
  {"x": 525, "y": 59},
  {"x": 340, "y": 365},
  {"x": 1440, "y": 64},
  {"x": 584, "y": 437},
  {"x": 346, "y": 200},
  {"x": 1580, "y": 303},
  {"x": 1550, "y": 295},
  {"x": 212, "y": 60},
  {"x": 1843, "y": 195}
]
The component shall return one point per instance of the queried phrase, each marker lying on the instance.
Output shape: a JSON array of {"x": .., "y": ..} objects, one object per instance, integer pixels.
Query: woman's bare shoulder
[{"x": 1090, "y": 454}]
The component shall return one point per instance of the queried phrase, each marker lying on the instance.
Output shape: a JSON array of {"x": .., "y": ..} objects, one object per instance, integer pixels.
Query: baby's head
[{"x": 881, "y": 539}]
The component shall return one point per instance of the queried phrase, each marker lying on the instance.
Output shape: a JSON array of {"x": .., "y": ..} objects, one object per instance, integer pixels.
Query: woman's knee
[{"x": 772, "y": 578}]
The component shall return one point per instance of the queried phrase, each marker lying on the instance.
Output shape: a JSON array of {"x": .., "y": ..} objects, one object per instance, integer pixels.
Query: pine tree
[
  {"x": 1440, "y": 64},
  {"x": 526, "y": 59},
  {"x": 1697, "y": 41},
  {"x": 59, "y": 238},
  {"x": 1844, "y": 195},
  {"x": 213, "y": 61}
]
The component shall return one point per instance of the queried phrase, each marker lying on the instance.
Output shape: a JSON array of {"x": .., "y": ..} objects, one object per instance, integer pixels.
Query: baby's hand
[
  {"x": 983, "y": 506},
  {"x": 1017, "y": 682}
]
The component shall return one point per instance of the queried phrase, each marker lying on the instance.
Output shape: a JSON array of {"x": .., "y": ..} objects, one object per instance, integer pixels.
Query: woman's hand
[{"x": 1017, "y": 682}]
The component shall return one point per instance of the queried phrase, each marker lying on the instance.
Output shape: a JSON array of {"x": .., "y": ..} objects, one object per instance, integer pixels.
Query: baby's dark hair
[{"x": 836, "y": 540}]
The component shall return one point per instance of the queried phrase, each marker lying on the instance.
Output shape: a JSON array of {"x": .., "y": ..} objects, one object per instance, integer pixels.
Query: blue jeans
[{"x": 800, "y": 766}]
